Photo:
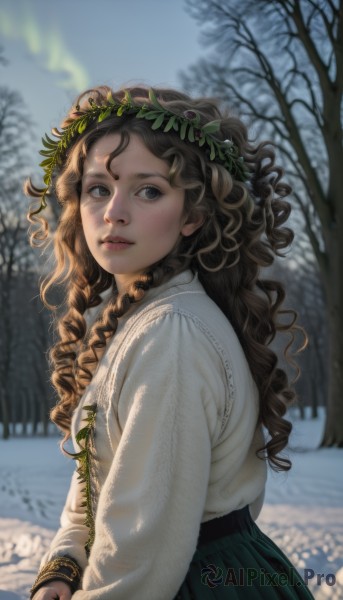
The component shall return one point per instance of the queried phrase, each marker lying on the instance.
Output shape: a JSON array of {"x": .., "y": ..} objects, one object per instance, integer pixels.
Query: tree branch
[
  {"x": 321, "y": 257},
  {"x": 308, "y": 108},
  {"x": 328, "y": 25},
  {"x": 319, "y": 199},
  {"x": 253, "y": 110},
  {"x": 295, "y": 14}
]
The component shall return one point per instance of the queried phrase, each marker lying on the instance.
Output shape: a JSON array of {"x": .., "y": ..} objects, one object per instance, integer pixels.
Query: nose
[{"x": 117, "y": 209}]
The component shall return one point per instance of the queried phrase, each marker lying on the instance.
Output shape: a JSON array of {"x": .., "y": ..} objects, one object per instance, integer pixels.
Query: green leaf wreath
[{"x": 187, "y": 125}]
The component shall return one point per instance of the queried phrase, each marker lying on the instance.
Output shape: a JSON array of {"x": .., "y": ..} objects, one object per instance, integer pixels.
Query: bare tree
[
  {"x": 26, "y": 394},
  {"x": 13, "y": 246},
  {"x": 280, "y": 64},
  {"x": 15, "y": 254},
  {"x": 30, "y": 390},
  {"x": 304, "y": 289}
]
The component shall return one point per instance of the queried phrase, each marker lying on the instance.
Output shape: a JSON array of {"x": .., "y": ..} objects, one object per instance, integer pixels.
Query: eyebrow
[
  {"x": 94, "y": 174},
  {"x": 102, "y": 175},
  {"x": 147, "y": 175}
]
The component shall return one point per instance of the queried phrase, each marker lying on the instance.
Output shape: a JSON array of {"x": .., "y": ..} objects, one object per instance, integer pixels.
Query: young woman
[{"x": 163, "y": 368}]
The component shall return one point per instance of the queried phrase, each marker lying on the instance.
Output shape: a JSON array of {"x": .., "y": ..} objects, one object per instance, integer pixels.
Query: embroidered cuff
[{"x": 62, "y": 568}]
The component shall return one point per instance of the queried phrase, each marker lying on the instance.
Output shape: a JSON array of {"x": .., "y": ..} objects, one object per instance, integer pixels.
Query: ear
[{"x": 192, "y": 224}]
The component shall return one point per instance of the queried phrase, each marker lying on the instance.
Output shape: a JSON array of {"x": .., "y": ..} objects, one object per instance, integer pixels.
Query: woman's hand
[{"x": 53, "y": 590}]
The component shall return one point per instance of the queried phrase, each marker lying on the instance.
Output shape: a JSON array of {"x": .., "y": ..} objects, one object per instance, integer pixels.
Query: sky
[{"x": 56, "y": 49}]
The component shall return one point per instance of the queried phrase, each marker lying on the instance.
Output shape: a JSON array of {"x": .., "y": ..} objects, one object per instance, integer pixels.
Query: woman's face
[{"x": 131, "y": 217}]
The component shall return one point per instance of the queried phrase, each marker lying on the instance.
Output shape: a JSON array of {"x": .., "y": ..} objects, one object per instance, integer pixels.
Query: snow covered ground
[{"x": 303, "y": 510}]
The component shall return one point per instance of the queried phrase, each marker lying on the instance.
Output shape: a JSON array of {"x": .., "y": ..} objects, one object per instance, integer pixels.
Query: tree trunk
[
  {"x": 314, "y": 398},
  {"x": 44, "y": 418},
  {"x": 5, "y": 416},
  {"x": 24, "y": 405},
  {"x": 301, "y": 410},
  {"x": 333, "y": 433},
  {"x": 314, "y": 406}
]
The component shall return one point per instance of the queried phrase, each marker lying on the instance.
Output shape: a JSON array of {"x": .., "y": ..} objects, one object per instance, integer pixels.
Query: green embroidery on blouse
[{"x": 85, "y": 439}]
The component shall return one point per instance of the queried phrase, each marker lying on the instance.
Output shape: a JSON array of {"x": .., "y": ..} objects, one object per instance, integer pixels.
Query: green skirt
[{"x": 243, "y": 564}]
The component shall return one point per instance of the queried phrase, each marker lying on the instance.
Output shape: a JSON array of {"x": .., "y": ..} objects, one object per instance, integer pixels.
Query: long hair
[{"x": 242, "y": 233}]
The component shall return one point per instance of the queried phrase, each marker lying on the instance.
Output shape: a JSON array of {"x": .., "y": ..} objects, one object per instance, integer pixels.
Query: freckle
[{"x": 116, "y": 177}]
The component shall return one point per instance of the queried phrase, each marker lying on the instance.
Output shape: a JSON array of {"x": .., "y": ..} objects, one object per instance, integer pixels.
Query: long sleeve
[
  {"x": 176, "y": 437},
  {"x": 169, "y": 409},
  {"x": 72, "y": 535}
]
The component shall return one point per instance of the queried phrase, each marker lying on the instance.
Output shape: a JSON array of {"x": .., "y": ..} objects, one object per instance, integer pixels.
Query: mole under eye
[
  {"x": 149, "y": 192},
  {"x": 98, "y": 191}
]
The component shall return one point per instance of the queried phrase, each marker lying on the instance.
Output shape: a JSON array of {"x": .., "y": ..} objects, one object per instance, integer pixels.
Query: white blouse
[{"x": 175, "y": 441}]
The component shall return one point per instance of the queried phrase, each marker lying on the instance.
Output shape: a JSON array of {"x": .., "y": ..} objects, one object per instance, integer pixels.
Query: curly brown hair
[{"x": 242, "y": 232}]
